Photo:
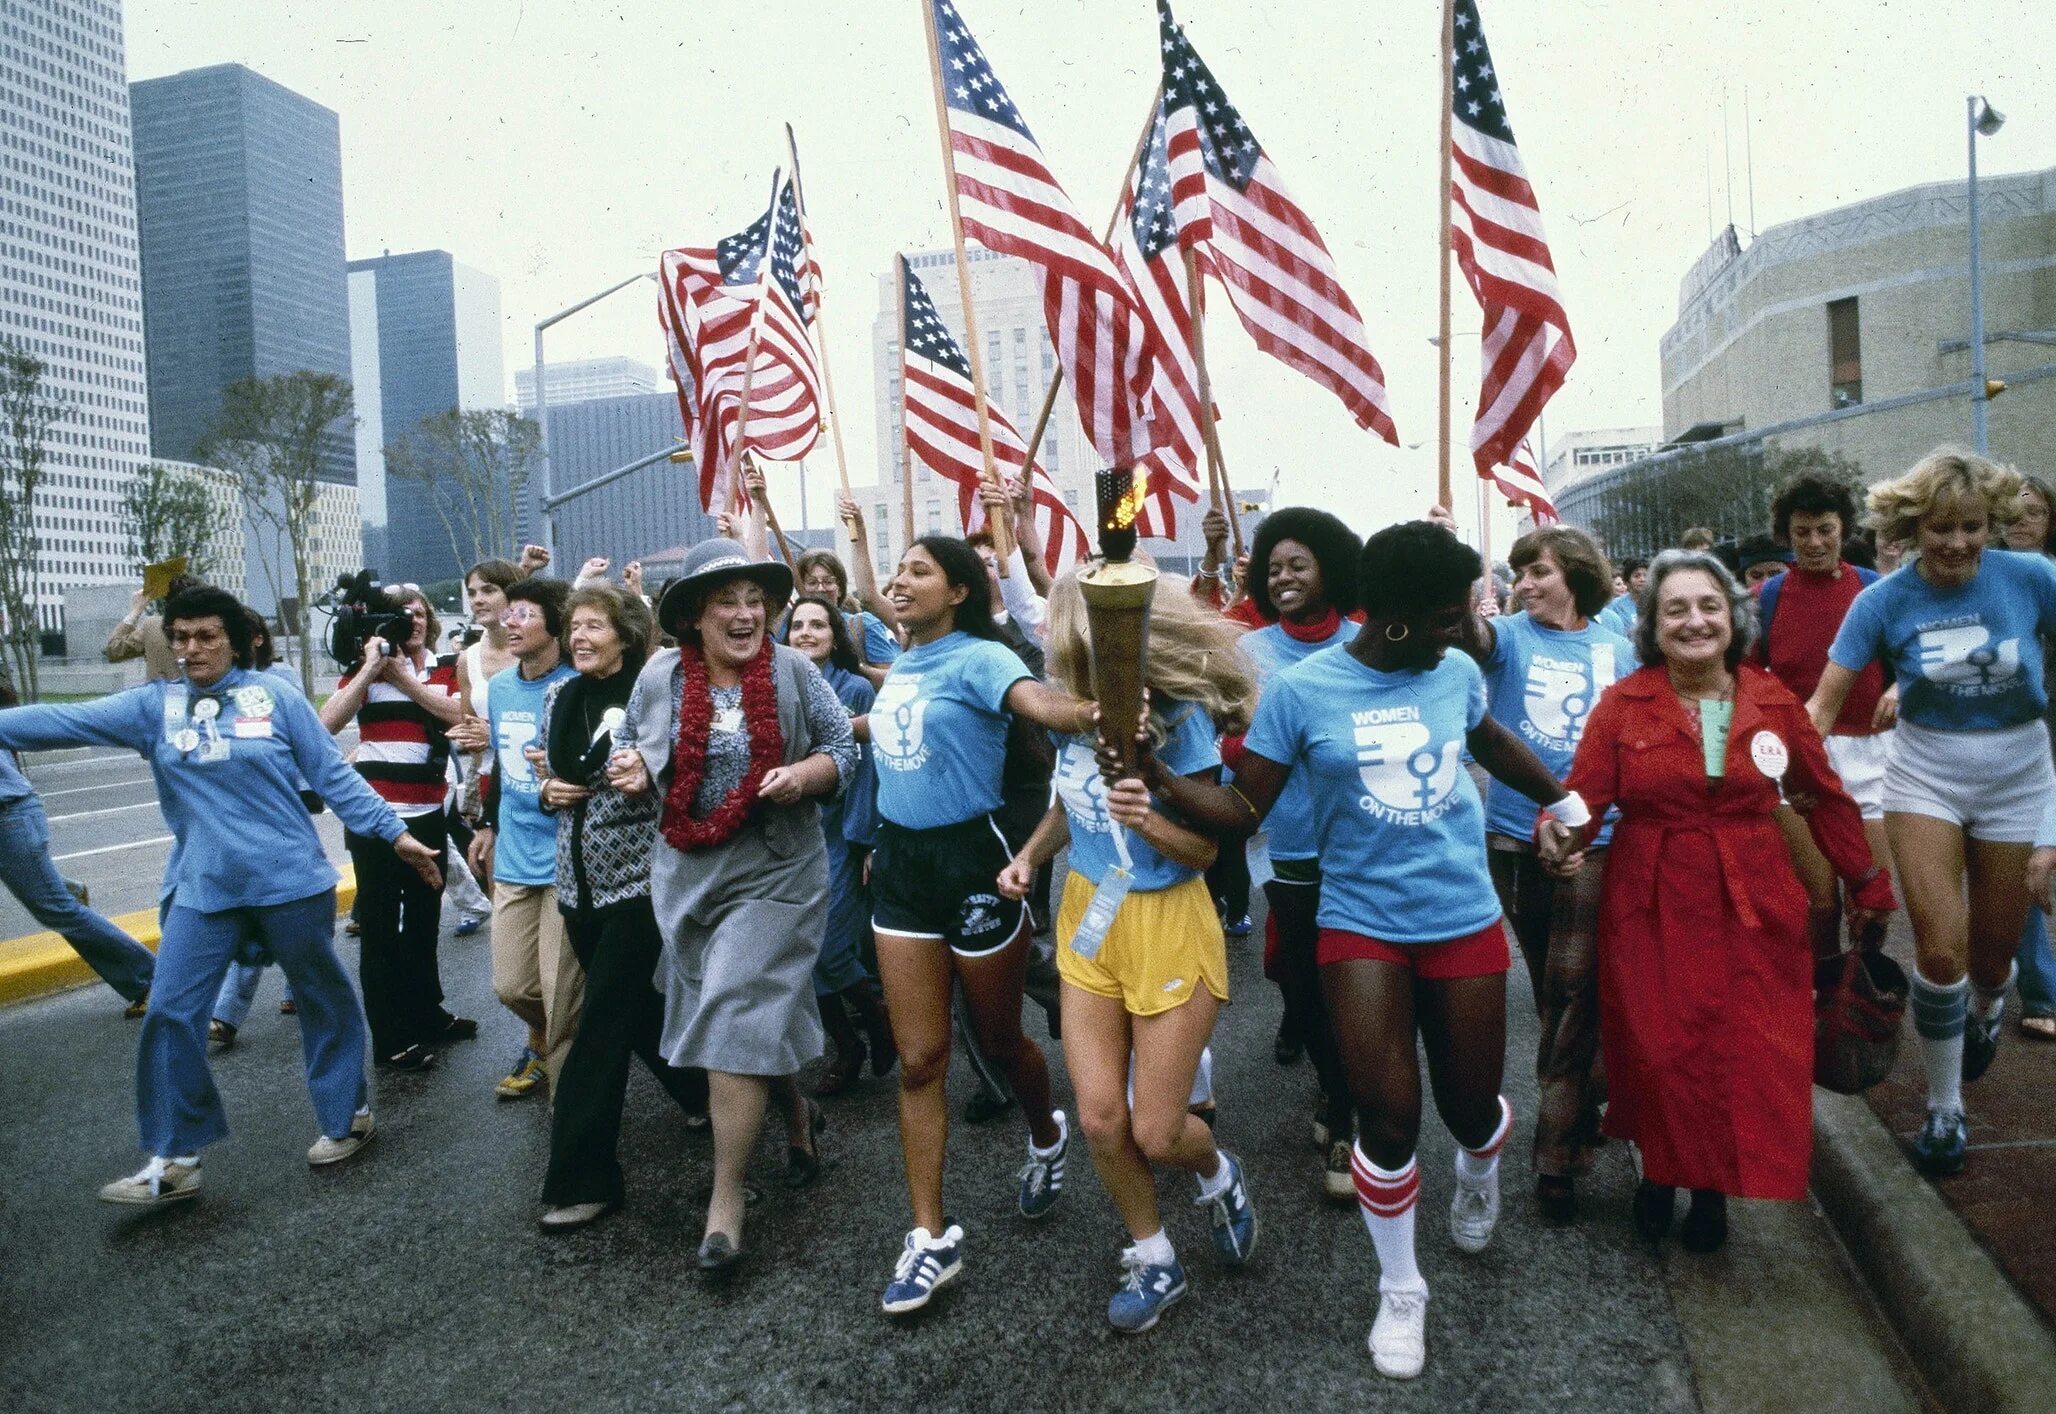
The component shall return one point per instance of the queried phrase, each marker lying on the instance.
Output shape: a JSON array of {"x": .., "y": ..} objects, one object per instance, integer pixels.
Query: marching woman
[
  {"x": 842, "y": 983},
  {"x": 1970, "y": 765},
  {"x": 737, "y": 736},
  {"x": 604, "y": 839},
  {"x": 1146, "y": 982},
  {"x": 1410, "y": 938},
  {"x": 1705, "y": 959},
  {"x": 1545, "y": 668},
  {"x": 247, "y": 877},
  {"x": 1305, "y": 590},
  {"x": 938, "y": 736},
  {"x": 820, "y": 573},
  {"x": 2034, "y": 534}
]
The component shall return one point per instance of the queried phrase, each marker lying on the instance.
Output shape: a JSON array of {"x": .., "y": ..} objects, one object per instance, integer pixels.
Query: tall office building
[
  {"x": 437, "y": 341},
  {"x": 653, "y": 508},
  {"x": 580, "y": 380},
  {"x": 239, "y": 199},
  {"x": 70, "y": 289}
]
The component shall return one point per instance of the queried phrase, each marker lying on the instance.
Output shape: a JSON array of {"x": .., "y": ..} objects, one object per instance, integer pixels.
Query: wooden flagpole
[
  {"x": 842, "y": 466},
  {"x": 1002, "y": 530},
  {"x": 1216, "y": 468},
  {"x": 1442, "y": 485},
  {"x": 749, "y": 367},
  {"x": 906, "y": 443}
]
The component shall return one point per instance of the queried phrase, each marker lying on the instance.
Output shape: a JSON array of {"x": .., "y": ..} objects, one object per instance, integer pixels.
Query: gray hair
[{"x": 1741, "y": 608}]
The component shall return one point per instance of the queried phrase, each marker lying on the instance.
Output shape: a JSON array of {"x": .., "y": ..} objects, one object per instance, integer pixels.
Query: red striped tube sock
[
  {"x": 1476, "y": 1165},
  {"x": 1387, "y": 1201}
]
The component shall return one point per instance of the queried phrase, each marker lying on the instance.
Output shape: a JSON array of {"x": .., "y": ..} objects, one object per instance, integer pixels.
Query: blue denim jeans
[
  {"x": 239, "y": 990},
  {"x": 25, "y": 867},
  {"x": 178, "y": 1110},
  {"x": 2037, "y": 968}
]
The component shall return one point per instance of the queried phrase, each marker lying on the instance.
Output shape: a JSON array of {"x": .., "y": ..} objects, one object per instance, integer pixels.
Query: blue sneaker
[
  {"x": 1239, "y": 926},
  {"x": 467, "y": 925},
  {"x": 1042, "y": 1177},
  {"x": 1939, "y": 1149},
  {"x": 925, "y": 1264},
  {"x": 1233, "y": 1219},
  {"x": 1147, "y": 1291}
]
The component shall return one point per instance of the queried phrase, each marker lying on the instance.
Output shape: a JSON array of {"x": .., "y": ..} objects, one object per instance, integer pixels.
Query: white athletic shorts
[
  {"x": 1994, "y": 784},
  {"x": 1860, "y": 762}
]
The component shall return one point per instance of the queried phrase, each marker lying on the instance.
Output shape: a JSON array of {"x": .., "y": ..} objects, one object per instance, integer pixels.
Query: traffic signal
[{"x": 1994, "y": 387}]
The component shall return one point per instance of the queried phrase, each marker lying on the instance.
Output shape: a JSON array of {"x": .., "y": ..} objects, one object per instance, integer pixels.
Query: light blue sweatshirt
[{"x": 227, "y": 762}]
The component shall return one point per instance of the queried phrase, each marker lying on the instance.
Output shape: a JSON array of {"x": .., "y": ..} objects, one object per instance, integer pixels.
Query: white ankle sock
[
  {"x": 1477, "y": 1165},
  {"x": 1155, "y": 1249},
  {"x": 1386, "y": 1200},
  {"x": 1212, "y": 1185},
  {"x": 1063, "y": 1134},
  {"x": 1988, "y": 1002},
  {"x": 1938, "y": 1012}
]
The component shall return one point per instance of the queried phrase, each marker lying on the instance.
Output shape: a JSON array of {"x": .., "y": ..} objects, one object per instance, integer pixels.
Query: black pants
[
  {"x": 1294, "y": 907},
  {"x": 400, "y": 918},
  {"x": 1227, "y": 878},
  {"x": 624, "y": 1016}
]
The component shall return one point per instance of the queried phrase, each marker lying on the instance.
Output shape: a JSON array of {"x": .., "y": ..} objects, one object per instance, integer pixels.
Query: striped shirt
[{"x": 402, "y": 752}]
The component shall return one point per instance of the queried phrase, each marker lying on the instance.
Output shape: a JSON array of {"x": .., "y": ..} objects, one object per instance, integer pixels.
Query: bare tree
[
  {"x": 271, "y": 436},
  {"x": 1726, "y": 488},
  {"x": 473, "y": 468},
  {"x": 28, "y": 410},
  {"x": 169, "y": 512}
]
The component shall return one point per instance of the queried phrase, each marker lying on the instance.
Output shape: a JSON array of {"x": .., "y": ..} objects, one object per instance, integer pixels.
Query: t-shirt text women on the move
[
  {"x": 1542, "y": 683},
  {"x": 1189, "y": 747},
  {"x": 939, "y": 731},
  {"x": 1273, "y": 649}
]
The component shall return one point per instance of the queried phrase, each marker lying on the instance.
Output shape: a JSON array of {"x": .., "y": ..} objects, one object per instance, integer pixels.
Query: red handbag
[{"x": 1859, "y": 999}]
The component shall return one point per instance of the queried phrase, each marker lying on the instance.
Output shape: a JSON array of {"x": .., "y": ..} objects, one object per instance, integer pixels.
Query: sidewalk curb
[
  {"x": 42, "y": 963},
  {"x": 1976, "y": 1340}
]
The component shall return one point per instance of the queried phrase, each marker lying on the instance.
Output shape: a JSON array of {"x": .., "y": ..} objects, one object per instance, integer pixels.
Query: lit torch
[{"x": 1117, "y": 594}]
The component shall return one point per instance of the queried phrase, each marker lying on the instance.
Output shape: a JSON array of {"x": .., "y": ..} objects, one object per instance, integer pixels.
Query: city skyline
[{"x": 598, "y": 167}]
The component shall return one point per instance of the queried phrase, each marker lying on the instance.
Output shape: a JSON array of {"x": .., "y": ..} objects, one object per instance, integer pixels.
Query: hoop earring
[{"x": 1399, "y": 637}]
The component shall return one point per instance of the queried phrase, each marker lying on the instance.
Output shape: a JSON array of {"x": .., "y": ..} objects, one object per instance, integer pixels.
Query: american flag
[
  {"x": 1523, "y": 486},
  {"x": 941, "y": 422},
  {"x": 1230, "y": 207},
  {"x": 1496, "y": 228},
  {"x": 712, "y": 298},
  {"x": 1012, "y": 204}
]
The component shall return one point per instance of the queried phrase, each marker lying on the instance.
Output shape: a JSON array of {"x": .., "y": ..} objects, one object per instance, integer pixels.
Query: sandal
[{"x": 2038, "y": 1028}]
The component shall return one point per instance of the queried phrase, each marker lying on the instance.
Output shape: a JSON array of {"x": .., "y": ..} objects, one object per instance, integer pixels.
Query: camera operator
[{"x": 402, "y": 700}]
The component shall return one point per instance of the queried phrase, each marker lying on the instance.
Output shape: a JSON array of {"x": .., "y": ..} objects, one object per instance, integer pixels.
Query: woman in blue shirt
[
  {"x": 227, "y": 747},
  {"x": 1410, "y": 931},
  {"x": 1144, "y": 983},
  {"x": 842, "y": 983},
  {"x": 1308, "y": 585},
  {"x": 938, "y": 739},
  {"x": 1970, "y": 769}
]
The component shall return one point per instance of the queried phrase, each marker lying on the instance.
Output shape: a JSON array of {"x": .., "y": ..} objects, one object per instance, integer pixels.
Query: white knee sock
[
  {"x": 1476, "y": 1165},
  {"x": 1387, "y": 1201},
  {"x": 1938, "y": 1010}
]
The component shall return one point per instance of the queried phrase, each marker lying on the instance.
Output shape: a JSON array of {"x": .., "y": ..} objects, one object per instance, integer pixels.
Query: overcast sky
[{"x": 560, "y": 146}]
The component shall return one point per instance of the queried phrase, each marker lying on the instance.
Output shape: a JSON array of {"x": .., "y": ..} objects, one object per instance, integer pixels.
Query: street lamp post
[
  {"x": 542, "y": 404},
  {"x": 1981, "y": 118}
]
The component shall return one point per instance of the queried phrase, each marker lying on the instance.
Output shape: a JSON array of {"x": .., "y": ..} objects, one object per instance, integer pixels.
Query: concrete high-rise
[
  {"x": 655, "y": 507},
  {"x": 437, "y": 340},
  {"x": 239, "y": 200},
  {"x": 580, "y": 380},
  {"x": 70, "y": 288}
]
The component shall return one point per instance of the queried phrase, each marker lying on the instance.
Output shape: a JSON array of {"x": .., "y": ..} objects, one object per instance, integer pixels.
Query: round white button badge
[{"x": 1769, "y": 754}]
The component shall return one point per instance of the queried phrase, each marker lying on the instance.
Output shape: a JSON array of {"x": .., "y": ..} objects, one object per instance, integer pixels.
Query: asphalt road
[{"x": 414, "y": 1277}]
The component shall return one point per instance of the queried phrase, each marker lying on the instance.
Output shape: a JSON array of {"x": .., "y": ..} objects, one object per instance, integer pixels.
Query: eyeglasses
[
  {"x": 520, "y": 614},
  {"x": 198, "y": 638}
]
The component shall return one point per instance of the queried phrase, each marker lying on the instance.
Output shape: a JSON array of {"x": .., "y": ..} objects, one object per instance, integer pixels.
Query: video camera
[{"x": 363, "y": 610}]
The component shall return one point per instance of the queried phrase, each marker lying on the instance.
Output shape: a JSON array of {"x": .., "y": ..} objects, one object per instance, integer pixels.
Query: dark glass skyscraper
[
  {"x": 438, "y": 347},
  {"x": 239, "y": 206}
]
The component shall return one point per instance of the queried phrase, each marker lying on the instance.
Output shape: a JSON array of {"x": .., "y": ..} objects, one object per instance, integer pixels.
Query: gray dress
[{"x": 742, "y": 921}]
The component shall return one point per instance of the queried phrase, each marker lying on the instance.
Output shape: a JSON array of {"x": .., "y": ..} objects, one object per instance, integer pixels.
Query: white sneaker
[
  {"x": 159, "y": 1181},
  {"x": 1399, "y": 1337},
  {"x": 1474, "y": 1211},
  {"x": 333, "y": 1151}
]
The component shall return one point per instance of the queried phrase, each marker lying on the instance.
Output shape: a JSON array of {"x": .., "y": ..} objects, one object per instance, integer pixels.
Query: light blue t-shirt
[
  {"x": 1190, "y": 746},
  {"x": 939, "y": 730},
  {"x": 1542, "y": 683},
  {"x": 1398, "y": 824},
  {"x": 878, "y": 646},
  {"x": 1966, "y": 659},
  {"x": 1290, "y": 826},
  {"x": 1620, "y": 616},
  {"x": 525, "y": 845}
]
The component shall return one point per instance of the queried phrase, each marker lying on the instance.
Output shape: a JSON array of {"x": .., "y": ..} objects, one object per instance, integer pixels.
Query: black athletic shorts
[{"x": 943, "y": 883}]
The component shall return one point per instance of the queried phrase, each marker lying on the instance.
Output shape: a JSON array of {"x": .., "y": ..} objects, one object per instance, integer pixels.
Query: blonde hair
[
  {"x": 1194, "y": 654},
  {"x": 1945, "y": 474}
]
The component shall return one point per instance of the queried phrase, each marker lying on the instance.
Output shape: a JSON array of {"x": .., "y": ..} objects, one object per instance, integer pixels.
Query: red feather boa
[{"x": 689, "y": 756}]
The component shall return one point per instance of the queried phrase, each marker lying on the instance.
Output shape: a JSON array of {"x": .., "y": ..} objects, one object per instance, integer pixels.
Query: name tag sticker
[
  {"x": 1769, "y": 754},
  {"x": 252, "y": 728},
  {"x": 214, "y": 749},
  {"x": 728, "y": 719},
  {"x": 1099, "y": 914},
  {"x": 1259, "y": 853}
]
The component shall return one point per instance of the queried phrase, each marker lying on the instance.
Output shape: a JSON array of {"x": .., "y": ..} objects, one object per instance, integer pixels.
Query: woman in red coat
[{"x": 1705, "y": 969}]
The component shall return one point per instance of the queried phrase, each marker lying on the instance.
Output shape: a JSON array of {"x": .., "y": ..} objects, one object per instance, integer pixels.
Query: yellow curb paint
[{"x": 42, "y": 963}]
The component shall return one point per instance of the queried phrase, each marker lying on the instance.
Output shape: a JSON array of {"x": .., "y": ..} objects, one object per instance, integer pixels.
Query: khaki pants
[{"x": 535, "y": 973}]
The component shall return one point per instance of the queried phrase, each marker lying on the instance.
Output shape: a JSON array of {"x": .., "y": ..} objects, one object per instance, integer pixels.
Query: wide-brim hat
[{"x": 709, "y": 563}]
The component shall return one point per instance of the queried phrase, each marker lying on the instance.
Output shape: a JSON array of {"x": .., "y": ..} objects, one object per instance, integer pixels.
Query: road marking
[
  {"x": 109, "y": 849},
  {"x": 82, "y": 761},
  {"x": 149, "y": 804},
  {"x": 81, "y": 790}
]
